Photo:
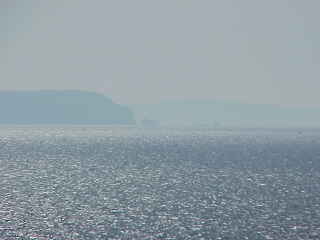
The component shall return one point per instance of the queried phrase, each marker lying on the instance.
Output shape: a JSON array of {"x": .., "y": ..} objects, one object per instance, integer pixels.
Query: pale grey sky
[{"x": 256, "y": 51}]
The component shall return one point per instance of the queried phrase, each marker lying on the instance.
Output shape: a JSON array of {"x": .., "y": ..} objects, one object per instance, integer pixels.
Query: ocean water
[{"x": 85, "y": 182}]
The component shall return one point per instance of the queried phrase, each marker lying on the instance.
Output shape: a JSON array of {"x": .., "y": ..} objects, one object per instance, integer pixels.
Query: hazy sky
[{"x": 264, "y": 51}]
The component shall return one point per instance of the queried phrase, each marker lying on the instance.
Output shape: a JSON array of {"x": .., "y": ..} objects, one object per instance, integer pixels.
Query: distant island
[
  {"x": 219, "y": 113},
  {"x": 61, "y": 107}
]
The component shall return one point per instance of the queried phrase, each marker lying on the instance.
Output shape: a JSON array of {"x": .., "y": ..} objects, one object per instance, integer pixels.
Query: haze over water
[
  {"x": 81, "y": 182},
  {"x": 208, "y": 64}
]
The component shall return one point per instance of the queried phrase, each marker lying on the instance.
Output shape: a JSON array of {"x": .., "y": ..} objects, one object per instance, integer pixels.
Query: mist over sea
[{"x": 100, "y": 182}]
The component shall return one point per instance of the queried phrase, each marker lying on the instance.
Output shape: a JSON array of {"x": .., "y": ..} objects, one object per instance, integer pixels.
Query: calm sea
[{"x": 83, "y": 182}]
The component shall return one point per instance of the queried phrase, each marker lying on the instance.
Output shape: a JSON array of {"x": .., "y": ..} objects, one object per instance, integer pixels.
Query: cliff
[{"x": 61, "y": 107}]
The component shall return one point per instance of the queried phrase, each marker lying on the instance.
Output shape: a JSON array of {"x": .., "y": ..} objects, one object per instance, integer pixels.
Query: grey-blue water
[{"x": 130, "y": 183}]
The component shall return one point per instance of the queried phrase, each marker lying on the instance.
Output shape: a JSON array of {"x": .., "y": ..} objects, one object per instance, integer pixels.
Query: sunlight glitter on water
[{"x": 129, "y": 183}]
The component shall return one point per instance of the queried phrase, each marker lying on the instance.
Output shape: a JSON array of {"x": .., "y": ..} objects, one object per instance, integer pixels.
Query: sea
[{"x": 122, "y": 182}]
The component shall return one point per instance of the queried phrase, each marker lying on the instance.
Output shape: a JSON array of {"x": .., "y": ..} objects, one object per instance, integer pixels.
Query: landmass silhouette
[
  {"x": 61, "y": 107},
  {"x": 227, "y": 113}
]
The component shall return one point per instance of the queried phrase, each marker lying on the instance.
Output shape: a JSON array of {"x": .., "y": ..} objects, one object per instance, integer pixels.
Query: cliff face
[{"x": 61, "y": 107}]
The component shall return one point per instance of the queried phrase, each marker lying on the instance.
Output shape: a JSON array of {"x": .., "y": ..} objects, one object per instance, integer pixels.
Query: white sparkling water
[{"x": 86, "y": 182}]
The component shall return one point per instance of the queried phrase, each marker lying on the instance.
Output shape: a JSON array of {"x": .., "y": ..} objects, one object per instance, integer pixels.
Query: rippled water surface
[{"x": 130, "y": 183}]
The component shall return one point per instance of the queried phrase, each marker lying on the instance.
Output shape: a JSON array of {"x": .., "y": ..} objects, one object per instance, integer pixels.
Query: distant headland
[
  {"x": 61, "y": 107},
  {"x": 223, "y": 113}
]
